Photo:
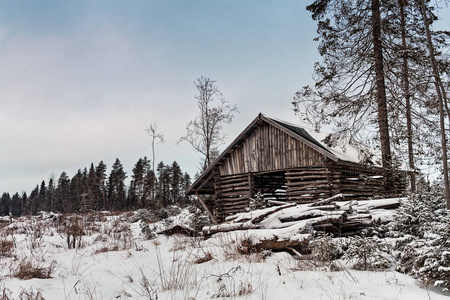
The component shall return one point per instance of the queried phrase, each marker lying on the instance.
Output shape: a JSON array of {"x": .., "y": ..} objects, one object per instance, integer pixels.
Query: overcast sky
[{"x": 81, "y": 80}]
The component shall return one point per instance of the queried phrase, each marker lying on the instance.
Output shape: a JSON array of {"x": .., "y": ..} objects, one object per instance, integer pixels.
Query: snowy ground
[{"x": 112, "y": 260}]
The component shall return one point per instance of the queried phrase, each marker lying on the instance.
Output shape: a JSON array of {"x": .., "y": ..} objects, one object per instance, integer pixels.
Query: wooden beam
[{"x": 211, "y": 216}]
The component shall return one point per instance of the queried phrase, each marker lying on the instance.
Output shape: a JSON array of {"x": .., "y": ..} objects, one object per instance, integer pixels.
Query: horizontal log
[
  {"x": 234, "y": 211},
  {"x": 275, "y": 244},
  {"x": 311, "y": 215},
  {"x": 307, "y": 192},
  {"x": 293, "y": 191},
  {"x": 308, "y": 172},
  {"x": 242, "y": 190},
  {"x": 265, "y": 215},
  {"x": 307, "y": 183},
  {"x": 228, "y": 204},
  {"x": 306, "y": 177},
  {"x": 303, "y": 201},
  {"x": 328, "y": 200},
  {"x": 230, "y": 177},
  {"x": 210, "y": 230},
  {"x": 232, "y": 185}
]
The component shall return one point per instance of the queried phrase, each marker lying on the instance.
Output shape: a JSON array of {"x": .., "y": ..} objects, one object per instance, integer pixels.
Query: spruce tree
[
  {"x": 150, "y": 189},
  {"x": 116, "y": 187},
  {"x": 62, "y": 192},
  {"x": 16, "y": 205},
  {"x": 89, "y": 201},
  {"x": 42, "y": 201},
  {"x": 137, "y": 183},
  {"x": 24, "y": 204},
  {"x": 5, "y": 203},
  {"x": 51, "y": 194},
  {"x": 32, "y": 201},
  {"x": 100, "y": 178},
  {"x": 176, "y": 178}
]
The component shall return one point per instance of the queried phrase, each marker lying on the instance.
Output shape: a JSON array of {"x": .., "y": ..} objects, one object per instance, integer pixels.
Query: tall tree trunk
[
  {"x": 438, "y": 85},
  {"x": 381, "y": 98},
  {"x": 405, "y": 75}
]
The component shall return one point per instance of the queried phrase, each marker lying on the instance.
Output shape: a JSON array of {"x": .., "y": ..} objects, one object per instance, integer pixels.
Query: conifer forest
[{"x": 95, "y": 189}]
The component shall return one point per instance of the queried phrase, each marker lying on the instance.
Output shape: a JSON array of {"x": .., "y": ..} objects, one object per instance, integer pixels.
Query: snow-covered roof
[
  {"x": 343, "y": 151},
  {"x": 349, "y": 154}
]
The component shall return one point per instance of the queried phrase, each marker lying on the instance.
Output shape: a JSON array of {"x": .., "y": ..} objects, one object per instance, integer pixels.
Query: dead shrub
[
  {"x": 73, "y": 229},
  {"x": 6, "y": 247},
  {"x": 28, "y": 270},
  {"x": 104, "y": 249},
  {"x": 204, "y": 259}
]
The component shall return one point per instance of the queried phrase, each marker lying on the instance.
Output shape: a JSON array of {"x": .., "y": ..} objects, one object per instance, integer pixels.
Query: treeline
[{"x": 93, "y": 190}]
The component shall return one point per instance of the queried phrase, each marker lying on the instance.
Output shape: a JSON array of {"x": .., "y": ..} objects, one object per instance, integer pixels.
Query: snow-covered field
[{"x": 100, "y": 256}]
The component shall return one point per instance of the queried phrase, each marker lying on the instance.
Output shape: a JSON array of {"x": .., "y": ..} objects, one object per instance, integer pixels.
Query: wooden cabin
[{"x": 285, "y": 163}]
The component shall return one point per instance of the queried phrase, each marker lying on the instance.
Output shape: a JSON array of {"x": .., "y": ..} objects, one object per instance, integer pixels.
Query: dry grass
[
  {"x": 234, "y": 247},
  {"x": 6, "y": 246},
  {"x": 31, "y": 294},
  {"x": 208, "y": 256},
  {"x": 5, "y": 293},
  {"x": 27, "y": 269}
]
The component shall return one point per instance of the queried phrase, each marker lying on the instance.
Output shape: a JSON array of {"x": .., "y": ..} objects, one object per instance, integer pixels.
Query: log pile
[{"x": 290, "y": 226}]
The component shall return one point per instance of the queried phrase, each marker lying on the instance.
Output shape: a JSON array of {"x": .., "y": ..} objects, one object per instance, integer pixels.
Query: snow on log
[
  {"x": 210, "y": 230},
  {"x": 272, "y": 227},
  {"x": 308, "y": 215},
  {"x": 328, "y": 200},
  {"x": 274, "y": 244}
]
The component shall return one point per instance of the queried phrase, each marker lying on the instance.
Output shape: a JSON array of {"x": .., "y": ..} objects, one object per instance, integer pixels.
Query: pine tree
[
  {"x": 372, "y": 79},
  {"x": 409, "y": 82},
  {"x": 441, "y": 95},
  {"x": 350, "y": 86}
]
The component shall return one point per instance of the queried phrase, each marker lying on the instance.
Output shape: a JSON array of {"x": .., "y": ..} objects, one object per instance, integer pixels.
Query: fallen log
[
  {"x": 177, "y": 229},
  {"x": 328, "y": 200},
  {"x": 263, "y": 216},
  {"x": 275, "y": 244},
  {"x": 309, "y": 215},
  {"x": 210, "y": 230}
]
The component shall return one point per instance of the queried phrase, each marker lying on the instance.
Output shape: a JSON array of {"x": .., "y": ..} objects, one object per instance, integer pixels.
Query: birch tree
[{"x": 204, "y": 132}]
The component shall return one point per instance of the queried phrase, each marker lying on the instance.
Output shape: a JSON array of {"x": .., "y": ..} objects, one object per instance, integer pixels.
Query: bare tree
[
  {"x": 156, "y": 138},
  {"x": 204, "y": 132}
]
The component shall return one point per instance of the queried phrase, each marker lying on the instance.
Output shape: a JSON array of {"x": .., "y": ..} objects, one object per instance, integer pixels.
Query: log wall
[
  {"x": 299, "y": 185},
  {"x": 232, "y": 194},
  {"x": 309, "y": 184}
]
